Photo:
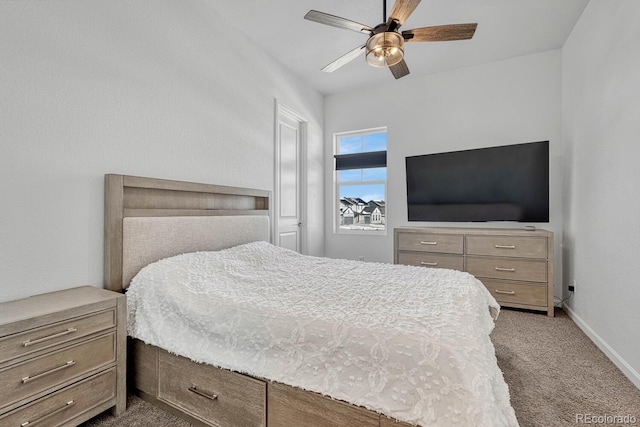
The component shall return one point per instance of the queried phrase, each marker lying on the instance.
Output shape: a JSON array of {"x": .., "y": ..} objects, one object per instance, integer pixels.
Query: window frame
[{"x": 337, "y": 184}]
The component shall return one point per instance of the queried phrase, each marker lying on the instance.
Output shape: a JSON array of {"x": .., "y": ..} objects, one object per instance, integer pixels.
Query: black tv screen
[{"x": 507, "y": 183}]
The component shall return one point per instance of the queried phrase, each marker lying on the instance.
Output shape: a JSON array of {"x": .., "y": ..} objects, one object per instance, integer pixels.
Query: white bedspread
[{"x": 409, "y": 342}]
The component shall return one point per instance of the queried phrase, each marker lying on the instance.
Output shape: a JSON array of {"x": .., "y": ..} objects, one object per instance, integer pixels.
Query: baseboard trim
[{"x": 617, "y": 360}]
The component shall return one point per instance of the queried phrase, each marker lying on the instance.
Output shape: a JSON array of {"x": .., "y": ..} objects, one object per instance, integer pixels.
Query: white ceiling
[{"x": 506, "y": 29}]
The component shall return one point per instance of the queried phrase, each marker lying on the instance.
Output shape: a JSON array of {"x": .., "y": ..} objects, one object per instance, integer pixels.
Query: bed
[{"x": 331, "y": 367}]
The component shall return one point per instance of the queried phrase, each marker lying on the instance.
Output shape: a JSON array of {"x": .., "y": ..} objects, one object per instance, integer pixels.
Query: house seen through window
[{"x": 361, "y": 181}]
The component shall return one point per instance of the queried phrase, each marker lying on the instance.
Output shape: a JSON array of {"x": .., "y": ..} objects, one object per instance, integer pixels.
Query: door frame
[{"x": 282, "y": 109}]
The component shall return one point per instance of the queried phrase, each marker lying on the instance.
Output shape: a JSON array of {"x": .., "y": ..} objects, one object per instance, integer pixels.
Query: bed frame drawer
[
  {"x": 291, "y": 406},
  {"x": 93, "y": 394},
  {"x": 427, "y": 259},
  {"x": 518, "y": 293},
  {"x": 37, "y": 375},
  {"x": 18, "y": 345},
  {"x": 215, "y": 396}
]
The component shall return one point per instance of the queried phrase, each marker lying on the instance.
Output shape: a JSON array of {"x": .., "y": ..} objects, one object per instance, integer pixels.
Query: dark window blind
[{"x": 371, "y": 159}]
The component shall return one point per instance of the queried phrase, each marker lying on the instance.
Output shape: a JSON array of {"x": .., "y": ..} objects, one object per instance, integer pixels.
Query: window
[{"x": 361, "y": 181}]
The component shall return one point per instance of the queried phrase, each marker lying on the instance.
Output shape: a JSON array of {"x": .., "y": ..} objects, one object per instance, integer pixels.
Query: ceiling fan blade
[
  {"x": 440, "y": 33},
  {"x": 336, "y": 21},
  {"x": 344, "y": 59},
  {"x": 399, "y": 70},
  {"x": 401, "y": 10}
]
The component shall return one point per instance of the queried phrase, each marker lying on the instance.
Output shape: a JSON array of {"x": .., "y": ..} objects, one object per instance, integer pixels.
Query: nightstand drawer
[
  {"x": 506, "y": 268},
  {"x": 41, "y": 373},
  {"x": 431, "y": 242},
  {"x": 427, "y": 259},
  {"x": 28, "y": 342},
  {"x": 219, "y": 396},
  {"x": 518, "y": 293},
  {"x": 66, "y": 404},
  {"x": 507, "y": 246}
]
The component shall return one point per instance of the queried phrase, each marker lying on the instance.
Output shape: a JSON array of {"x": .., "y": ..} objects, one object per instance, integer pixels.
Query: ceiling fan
[{"x": 385, "y": 46}]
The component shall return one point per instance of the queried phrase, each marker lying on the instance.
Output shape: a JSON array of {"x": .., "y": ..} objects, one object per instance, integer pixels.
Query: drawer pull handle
[
  {"x": 50, "y": 414},
  {"x": 194, "y": 389},
  {"x": 505, "y": 246},
  {"x": 27, "y": 343},
  {"x": 498, "y": 291},
  {"x": 431, "y": 264},
  {"x": 51, "y": 371},
  {"x": 505, "y": 269},
  {"x": 428, "y": 243}
]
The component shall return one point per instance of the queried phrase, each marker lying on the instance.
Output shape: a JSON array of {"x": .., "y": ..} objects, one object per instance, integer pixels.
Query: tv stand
[{"x": 516, "y": 266}]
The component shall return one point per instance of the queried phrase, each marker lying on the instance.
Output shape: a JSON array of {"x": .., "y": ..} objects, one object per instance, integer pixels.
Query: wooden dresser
[
  {"x": 516, "y": 266},
  {"x": 62, "y": 357}
]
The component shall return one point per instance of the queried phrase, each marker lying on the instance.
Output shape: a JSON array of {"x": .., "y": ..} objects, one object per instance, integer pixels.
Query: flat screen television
[{"x": 506, "y": 183}]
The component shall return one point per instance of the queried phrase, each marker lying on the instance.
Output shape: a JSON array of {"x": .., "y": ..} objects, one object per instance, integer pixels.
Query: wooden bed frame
[{"x": 228, "y": 399}]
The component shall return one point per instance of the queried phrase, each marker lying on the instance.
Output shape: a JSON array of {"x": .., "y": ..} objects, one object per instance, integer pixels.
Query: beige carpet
[{"x": 554, "y": 372}]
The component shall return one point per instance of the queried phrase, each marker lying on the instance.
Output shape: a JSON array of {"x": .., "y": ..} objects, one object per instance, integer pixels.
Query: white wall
[
  {"x": 160, "y": 88},
  {"x": 601, "y": 129},
  {"x": 506, "y": 102}
]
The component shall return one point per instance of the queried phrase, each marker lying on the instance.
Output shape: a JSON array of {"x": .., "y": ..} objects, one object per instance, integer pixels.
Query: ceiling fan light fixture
[
  {"x": 385, "y": 46},
  {"x": 385, "y": 49}
]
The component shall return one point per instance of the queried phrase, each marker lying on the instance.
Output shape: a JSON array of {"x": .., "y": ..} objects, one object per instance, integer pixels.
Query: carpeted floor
[{"x": 554, "y": 372}]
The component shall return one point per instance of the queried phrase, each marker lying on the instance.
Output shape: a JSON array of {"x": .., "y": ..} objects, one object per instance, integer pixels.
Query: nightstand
[{"x": 62, "y": 357}]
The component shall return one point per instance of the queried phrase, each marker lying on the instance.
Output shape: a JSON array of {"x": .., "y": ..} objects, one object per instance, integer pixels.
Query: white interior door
[{"x": 289, "y": 215}]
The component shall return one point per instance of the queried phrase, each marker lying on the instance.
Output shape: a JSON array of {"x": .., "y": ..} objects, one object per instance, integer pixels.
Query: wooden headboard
[{"x": 136, "y": 203}]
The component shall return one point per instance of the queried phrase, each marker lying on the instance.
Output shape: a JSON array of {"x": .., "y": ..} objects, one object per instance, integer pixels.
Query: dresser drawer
[
  {"x": 507, "y": 268},
  {"x": 425, "y": 259},
  {"x": 31, "y": 341},
  {"x": 217, "y": 396},
  {"x": 431, "y": 242},
  {"x": 508, "y": 246},
  {"x": 518, "y": 293},
  {"x": 66, "y": 404},
  {"x": 41, "y": 373}
]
